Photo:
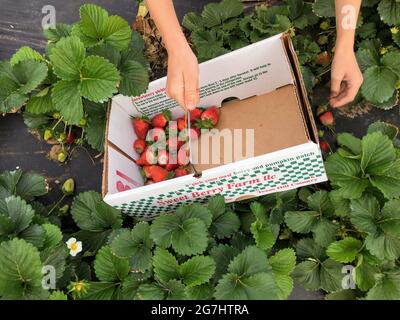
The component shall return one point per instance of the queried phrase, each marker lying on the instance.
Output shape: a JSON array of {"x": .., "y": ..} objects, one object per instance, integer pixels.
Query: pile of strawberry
[{"x": 162, "y": 142}]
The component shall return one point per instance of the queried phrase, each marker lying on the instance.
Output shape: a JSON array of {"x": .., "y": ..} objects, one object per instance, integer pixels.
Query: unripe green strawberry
[
  {"x": 83, "y": 122},
  {"x": 63, "y": 210},
  {"x": 62, "y": 156},
  {"x": 321, "y": 133},
  {"x": 79, "y": 141},
  {"x": 56, "y": 115},
  {"x": 48, "y": 134},
  {"x": 62, "y": 137},
  {"x": 322, "y": 40},
  {"x": 325, "y": 25},
  {"x": 68, "y": 187}
]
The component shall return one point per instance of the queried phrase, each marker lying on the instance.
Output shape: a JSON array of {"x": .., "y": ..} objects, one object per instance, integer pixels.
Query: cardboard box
[{"x": 270, "y": 98}]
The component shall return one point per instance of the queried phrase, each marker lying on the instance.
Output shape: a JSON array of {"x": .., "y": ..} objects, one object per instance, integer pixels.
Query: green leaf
[
  {"x": 364, "y": 274},
  {"x": 194, "y": 211},
  {"x": 92, "y": 214},
  {"x": 215, "y": 13},
  {"x": 379, "y": 84},
  {"x": 350, "y": 142},
  {"x": 68, "y": 57},
  {"x": 250, "y": 261},
  {"x": 68, "y": 100},
  {"x": 136, "y": 245},
  {"x": 96, "y": 126},
  {"x": 101, "y": 291},
  {"x": 383, "y": 245},
  {"x": 175, "y": 290},
  {"x": 99, "y": 79},
  {"x": 34, "y": 234},
  {"x": 389, "y": 186},
  {"x": 118, "y": 33},
  {"x": 8, "y": 183},
  {"x": 284, "y": 286},
  {"x": 134, "y": 78},
  {"x": 106, "y": 51},
  {"x": 192, "y": 21},
  {"x": 162, "y": 228},
  {"x": 25, "y": 53},
  {"x": 301, "y": 221},
  {"x": 260, "y": 286},
  {"x": 387, "y": 129},
  {"x": 18, "y": 210},
  {"x": 307, "y": 274},
  {"x": 378, "y": 153},
  {"x": 225, "y": 225},
  {"x": 391, "y": 60},
  {"x": 93, "y": 20},
  {"x": 34, "y": 121},
  {"x": 53, "y": 235},
  {"x": 55, "y": 257},
  {"x": 345, "y": 250},
  {"x": 31, "y": 185},
  {"x": 331, "y": 275},
  {"x": 320, "y": 202},
  {"x": 324, "y": 8},
  {"x": 202, "y": 292},
  {"x": 307, "y": 247},
  {"x": 263, "y": 235},
  {"x": 40, "y": 104},
  {"x": 61, "y": 30},
  {"x": 386, "y": 288},
  {"x": 346, "y": 173},
  {"x": 367, "y": 58},
  {"x": 21, "y": 270},
  {"x": 166, "y": 266},
  {"x": 325, "y": 232},
  {"x": 283, "y": 261},
  {"x": 58, "y": 295},
  {"x": 390, "y": 220},
  {"x": 222, "y": 255},
  {"x": 109, "y": 267},
  {"x": 29, "y": 75},
  {"x": 389, "y": 10},
  {"x": 149, "y": 291},
  {"x": 342, "y": 205},
  {"x": 190, "y": 238},
  {"x": 364, "y": 212},
  {"x": 346, "y": 294},
  {"x": 197, "y": 270}
]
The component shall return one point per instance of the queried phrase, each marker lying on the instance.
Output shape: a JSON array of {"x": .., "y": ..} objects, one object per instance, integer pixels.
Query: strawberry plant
[
  {"x": 225, "y": 26},
  {"x": 84, "y": 65}
]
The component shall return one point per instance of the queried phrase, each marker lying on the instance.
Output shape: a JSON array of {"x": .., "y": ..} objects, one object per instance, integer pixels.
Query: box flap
[{"x": 282, "y": 127}]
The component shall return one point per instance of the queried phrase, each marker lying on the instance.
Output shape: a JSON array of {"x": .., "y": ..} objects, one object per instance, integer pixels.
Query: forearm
[
  {"x": 164, "y": 16},
  {"x": 346, "y": 21}
]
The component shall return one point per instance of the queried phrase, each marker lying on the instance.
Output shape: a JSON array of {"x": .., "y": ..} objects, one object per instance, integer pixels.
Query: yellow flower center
[
  {"x": 79, "y": 286},
  {"x": 394, "y": 30},
  {"x": 74, "y": 246}
]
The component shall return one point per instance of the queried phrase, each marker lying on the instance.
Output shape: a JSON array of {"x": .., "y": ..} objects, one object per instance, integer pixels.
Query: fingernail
[{"x": 190, "y": 105}]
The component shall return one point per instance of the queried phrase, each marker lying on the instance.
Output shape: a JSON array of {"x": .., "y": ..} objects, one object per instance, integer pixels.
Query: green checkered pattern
[{"x": 288, "y": 172}]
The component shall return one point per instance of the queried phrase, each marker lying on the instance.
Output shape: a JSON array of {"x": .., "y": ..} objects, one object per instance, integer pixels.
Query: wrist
[{"x": 176, "y": 44}]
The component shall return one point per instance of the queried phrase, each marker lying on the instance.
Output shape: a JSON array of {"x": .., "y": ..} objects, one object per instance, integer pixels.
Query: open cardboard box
[{"x": 264, "y": 92}]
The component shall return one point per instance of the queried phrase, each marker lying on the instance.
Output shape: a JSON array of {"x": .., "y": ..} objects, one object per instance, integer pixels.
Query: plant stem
[
  {"x": 57, "y": 204},
  {"x": 57, "y": 123}
]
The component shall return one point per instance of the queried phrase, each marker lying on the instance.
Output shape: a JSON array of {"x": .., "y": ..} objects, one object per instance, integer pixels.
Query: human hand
[
  {"x": 183, "y": 76},
  {"x": 346, "y": 77}
]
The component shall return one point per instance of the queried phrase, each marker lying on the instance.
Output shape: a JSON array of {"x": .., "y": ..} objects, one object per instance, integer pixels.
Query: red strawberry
[
  {"x": 148, "y": 182},
  {"x": 181, "y": 124},
  {"x": 172, "y": 144},
  {"x": 158, "y": 174},
  {"x": 70, "y": 138},
  {"x": 160, "y": 120},
  {"x": 141, "y": 126},
  {"x": 179, "y": 172},
  {"x": 183, "y": 156},
  {"x": 327, "y": 119},
  {"x": 163, "y": 157},
  {"x": 147, "y": 158},
  {"x": 156, "y": 134},
  {"x": 195, "y": 114},
  {"x": 193, "y": 132},
  {"x": 171, "y": 166},
  {"x": 324, "y": 146},
  {"x": 172, "y": 128},
  {"x": 146, "y": 171},
  {"x": 139, "y": 145},
  {"x": 209, "y": 118},
  {"x": 323, "y": 58}
]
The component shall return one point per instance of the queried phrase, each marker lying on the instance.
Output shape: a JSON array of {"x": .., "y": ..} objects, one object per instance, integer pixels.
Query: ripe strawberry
[
  {"x": 193, "y": 132},
  {"x": 172, "y": 144},
  {"x": 324, "y": 146},
  {"x": 141, "y": 126},
  {"x": 181, "y": 124},
  {"x": 172, "y": 128},
  {"x": 139, "y": 145},
  {"x": 147, "y": 158},
  {"x": 183, "y": 156},
  {"x": 158, "y": 174},
  {"x": 195, "y": 114},
  {"x": 70, "y": 138},
  {"x": 179, "y": 172},
  {"x": 160, "y": 120},
  {"x": 171, "y": 166},
  {"x": 156, "y": 134},
  {"x": 163, "y": 157},
  {"x": 327, "y": 119},
  {"x": 323, "y": 58},
  {"x": 209, "y": 118},
  {"x": 146, "y": 172}
]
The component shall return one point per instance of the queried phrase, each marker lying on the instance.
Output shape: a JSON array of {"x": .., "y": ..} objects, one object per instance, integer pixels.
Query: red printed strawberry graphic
[{"x": 121, "y": 187}]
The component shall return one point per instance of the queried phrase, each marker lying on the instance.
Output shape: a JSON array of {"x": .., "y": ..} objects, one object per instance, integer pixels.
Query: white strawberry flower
[{"x": 74, "y": 246}]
